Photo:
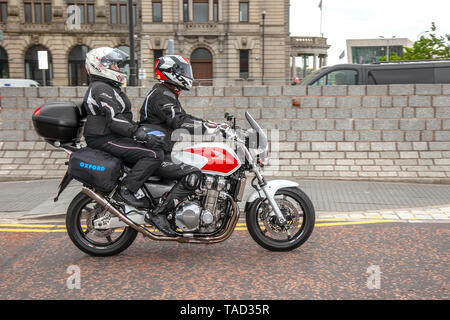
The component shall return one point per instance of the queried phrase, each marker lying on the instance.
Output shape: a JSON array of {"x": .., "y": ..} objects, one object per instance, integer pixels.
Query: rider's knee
[{"x": 192, "y": 180}]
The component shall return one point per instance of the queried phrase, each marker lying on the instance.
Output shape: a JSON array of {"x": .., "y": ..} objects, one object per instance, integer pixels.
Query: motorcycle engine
[{"x": 192, "y": 216}]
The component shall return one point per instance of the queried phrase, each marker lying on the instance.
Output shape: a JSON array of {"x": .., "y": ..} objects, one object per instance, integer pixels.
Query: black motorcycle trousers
[
  {"x": 188, "y": 177},
  {"x": 143, "y": 161}
]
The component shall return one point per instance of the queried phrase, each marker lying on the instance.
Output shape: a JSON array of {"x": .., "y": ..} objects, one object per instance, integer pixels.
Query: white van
[{"x": 18, "y": 83}]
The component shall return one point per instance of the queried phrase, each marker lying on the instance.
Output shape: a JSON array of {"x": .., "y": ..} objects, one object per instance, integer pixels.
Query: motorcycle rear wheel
[
  {"x": 101, "y": 243},
  {"x": 297, "y": 209}
]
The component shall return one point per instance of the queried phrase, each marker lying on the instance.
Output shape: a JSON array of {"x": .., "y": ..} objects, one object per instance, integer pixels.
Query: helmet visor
[
  {"x": 116, "y": 57},
  {"x": 183, "y": 66},
  {"x": 186, "y": 71}
]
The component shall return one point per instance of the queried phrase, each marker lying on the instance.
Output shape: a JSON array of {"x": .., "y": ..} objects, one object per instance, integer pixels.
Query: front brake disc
[{"x": 291, "y": 215}]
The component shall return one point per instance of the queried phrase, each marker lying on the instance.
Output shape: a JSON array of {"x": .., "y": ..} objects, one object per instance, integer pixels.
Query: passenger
[{"x": 110, "y": 126}]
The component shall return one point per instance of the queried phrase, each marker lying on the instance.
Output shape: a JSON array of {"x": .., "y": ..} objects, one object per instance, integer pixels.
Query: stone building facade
[{"x": 223, "y": 38}]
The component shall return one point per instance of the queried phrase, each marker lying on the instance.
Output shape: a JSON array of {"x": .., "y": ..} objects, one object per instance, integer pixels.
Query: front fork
[{"x": 269, "y": 196}]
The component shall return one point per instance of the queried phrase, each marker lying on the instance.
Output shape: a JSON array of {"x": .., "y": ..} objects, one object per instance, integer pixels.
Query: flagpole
[
  {"x": 321, "y": 34},
  {"x": 320, "y": 5}
]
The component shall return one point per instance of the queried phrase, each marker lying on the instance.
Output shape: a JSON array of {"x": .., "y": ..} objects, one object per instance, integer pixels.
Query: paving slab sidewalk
[{"x": 347, "y": 200}]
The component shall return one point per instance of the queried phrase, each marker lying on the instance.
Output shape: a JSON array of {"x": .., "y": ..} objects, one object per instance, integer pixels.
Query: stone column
[
  {"x": 220, "y": 8},
  {"x": 315, "y": 62},
  {"x": 293, "y": 68},
  {"x": 181, "y": 11},
  {"x": 191, "y": 10},
  {"x": 211, "y": 10}
]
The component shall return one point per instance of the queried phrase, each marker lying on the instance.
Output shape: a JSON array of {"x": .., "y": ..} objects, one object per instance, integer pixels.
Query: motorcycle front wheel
[
  {"x": 296, "y": 208},
  {"x": 80, "y": 216}
]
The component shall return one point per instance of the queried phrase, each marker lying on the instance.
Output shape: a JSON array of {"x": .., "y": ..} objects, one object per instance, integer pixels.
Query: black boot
[
  {"x": 159, "y": 215},
  {"x": 128, "y": 196},
  {"x": 160, "y": 222}
]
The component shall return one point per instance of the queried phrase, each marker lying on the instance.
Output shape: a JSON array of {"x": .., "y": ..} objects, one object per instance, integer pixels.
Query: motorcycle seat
[{"x": 151, "y": 179}]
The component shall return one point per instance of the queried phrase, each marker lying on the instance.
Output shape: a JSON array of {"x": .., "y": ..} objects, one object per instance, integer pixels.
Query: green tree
[{"x": 430, "y": 46}]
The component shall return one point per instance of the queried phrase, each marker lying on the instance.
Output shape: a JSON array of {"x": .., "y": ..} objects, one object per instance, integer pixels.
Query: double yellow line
[
  {"x": 47, "y": 228},
  {"x": 58, "y": 228}
]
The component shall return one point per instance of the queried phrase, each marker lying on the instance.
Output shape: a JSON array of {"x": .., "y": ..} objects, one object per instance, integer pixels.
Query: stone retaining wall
[{"x": 385, "y": 132}]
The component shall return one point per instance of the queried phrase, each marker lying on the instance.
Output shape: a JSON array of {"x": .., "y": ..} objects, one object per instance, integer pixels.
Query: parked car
[
  {"x": 404, "y": 72},
  {"x": 18, "y": 83}
]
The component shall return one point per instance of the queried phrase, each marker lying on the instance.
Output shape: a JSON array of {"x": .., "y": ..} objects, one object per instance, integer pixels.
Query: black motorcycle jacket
[
  {"x": 162, "y": 110},
  {"x": 108, "y": 111}
]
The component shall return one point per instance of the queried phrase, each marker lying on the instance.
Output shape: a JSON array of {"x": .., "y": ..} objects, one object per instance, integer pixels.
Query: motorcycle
[{"x": 278, "y": 214}]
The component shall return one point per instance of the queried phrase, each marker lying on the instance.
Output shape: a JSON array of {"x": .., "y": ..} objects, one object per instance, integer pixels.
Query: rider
[
  {"x": 110, "y": 127},
  {"x": 162, "y": 110}
]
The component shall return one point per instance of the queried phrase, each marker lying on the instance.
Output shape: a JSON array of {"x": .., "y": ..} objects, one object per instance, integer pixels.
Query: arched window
[
  {"x": 77, "y": 70},
  {"x": 32, "y": 71},
  {"x": 202, "y": 66},
  {"x": 201, "y": 53},
  {"x": 4, "y": 69}
]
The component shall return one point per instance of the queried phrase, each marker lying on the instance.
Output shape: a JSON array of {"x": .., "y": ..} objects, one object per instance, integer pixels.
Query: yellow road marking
[
  {"x": 239, "y": 227},
  {"x": 352, "y": 222},
  {"x": 32, "y": 230},
  {"x": 34, "y": 225}
]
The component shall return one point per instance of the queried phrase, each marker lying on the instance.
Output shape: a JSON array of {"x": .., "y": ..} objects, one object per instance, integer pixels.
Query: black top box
[{"x": 59, "y": 121}]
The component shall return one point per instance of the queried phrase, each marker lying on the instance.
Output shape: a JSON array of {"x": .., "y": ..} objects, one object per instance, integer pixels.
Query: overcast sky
[{"x": 366, "y": 19}]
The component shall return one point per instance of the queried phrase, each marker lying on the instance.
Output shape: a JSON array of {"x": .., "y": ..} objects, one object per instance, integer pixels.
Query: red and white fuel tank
[{"x": 210, "y": 157}]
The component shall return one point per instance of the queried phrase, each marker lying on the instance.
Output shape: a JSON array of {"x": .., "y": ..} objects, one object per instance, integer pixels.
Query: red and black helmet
[{"x": 175, "y": 70}]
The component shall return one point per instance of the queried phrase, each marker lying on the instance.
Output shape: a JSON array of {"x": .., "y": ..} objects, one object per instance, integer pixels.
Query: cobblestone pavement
[
  {"x": 333, "y": 200},
  {"x": 333, "y": 264}
]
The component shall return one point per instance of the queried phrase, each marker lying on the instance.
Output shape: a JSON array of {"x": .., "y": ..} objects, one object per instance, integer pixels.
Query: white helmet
[
  {"x": 175, "y": 70},
  {"x": 107, "y": 63}
]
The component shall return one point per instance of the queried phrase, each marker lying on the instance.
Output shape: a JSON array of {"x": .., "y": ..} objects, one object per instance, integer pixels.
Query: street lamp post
[
  {"x": 132, "y": 81},
  {"x": 263, "y": 16}
]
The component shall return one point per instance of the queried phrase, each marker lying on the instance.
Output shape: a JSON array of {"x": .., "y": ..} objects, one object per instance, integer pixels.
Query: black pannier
[
  {"x": 59, "y": 121},
  {"x": 95, "y": 168}
]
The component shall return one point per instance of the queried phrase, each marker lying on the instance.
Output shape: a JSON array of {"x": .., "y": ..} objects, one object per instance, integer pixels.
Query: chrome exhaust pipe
[
  {"x": 221, "y": 237},
  {"x": 102, "y": 201}
]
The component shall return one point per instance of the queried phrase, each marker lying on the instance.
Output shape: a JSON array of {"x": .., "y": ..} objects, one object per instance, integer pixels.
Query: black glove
[
  {"x": 140, "y": 135},
  {"x": 150, "y": 141},
  {"x": 154, "y": 142}
]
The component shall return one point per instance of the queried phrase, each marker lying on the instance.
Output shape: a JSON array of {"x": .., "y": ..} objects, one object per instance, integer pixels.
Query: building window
[
  {"x": 201, "y": 11},
  {"x": 157, "y": 10},
  {"x": 216, "y": 10},
  {"x": 118, "y": 10},
  {"x": 3, "y": 11},
  {"x": 364, "y": 55},
  {"x": 243, "y": 64},
  {"x": 87, "y": 13},
  {"x": 156, "y": 55},
  {"x": 4, "y": 69},
  {"x": 243, "y": 11},
  {"x": 38, "y": 11},
  {"x": 32, "y": 70},
  {"x": 185, "y": 10},
  {"x": 77, "y": 70}
]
